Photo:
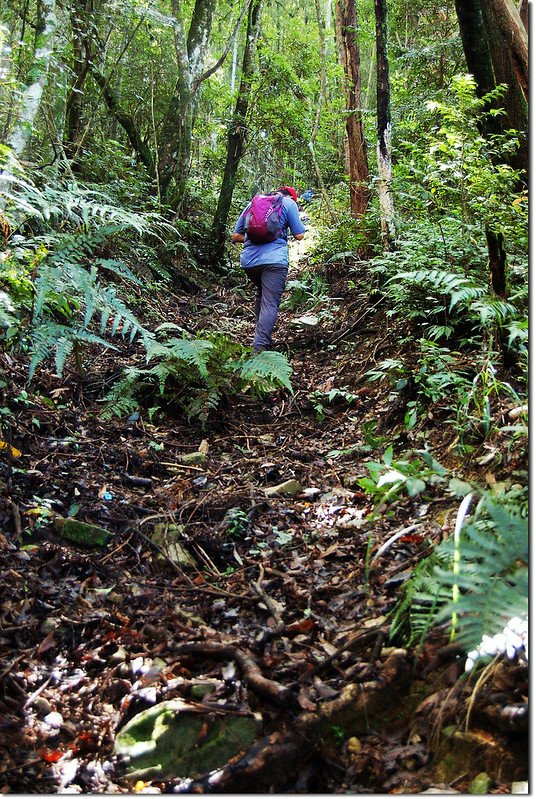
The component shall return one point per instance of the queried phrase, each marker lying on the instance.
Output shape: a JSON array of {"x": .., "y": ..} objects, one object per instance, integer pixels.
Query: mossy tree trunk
[{"x": 177, "y": 128}]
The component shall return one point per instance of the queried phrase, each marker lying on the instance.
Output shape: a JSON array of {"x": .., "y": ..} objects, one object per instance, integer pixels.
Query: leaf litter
[{"x": 282, "y": 605}]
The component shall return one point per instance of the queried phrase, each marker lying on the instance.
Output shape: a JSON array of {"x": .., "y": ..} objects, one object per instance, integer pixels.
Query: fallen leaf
[
  {"x": 302, "y": 626},
  {"x": 412, "y": 538},
  {"x": 15, "y": 453},
  {"x": 304, "y": 700},
  {"x": 47, "y": 643},
  {"x": 354, "y": 745},
  {"x": 50, "y": 755}
]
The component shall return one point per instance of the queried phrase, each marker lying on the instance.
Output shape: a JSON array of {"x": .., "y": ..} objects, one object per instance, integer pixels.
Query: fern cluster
[
  {"x": 439, "y": 276},
  {"x": 54, "y": 272},
  {"x": 492, "y": 581},
  {"x": 196, "y": 376}
]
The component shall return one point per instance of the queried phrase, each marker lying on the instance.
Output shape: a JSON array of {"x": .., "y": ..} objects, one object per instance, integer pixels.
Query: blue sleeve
[
  {"x": 240, "y": 225},
  {"x": 293, "y": 218}
]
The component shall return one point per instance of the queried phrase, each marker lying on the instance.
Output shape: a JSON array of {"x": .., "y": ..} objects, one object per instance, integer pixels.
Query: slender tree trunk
[
  {"x": 237, "y": 134},
  {"x": 349, "y": 56},
  {"x": 37, "y": 78},
  {"x": 141, "y": 148},
  {"x": 80, "y": 67},
  {"x": 387, "y": 210},
  {"x": 177, "y": 128},
  {"x": 322, "y": 97}
]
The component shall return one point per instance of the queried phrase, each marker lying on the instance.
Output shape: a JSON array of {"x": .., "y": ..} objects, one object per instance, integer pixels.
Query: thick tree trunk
[
  {"x": 349, "y": 55},
  {"x": 490, "y": 60},
  {"x": 31, "y": 96},
  {"x": 237, "y": 134},
  {"x": 387, "y": 210},
  {"x": 509, "y": 68},
  {"x": 514, "y": 35}
]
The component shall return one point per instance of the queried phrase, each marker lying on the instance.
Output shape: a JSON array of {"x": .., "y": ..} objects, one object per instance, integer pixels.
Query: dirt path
[{"x": 281, "y": 607}]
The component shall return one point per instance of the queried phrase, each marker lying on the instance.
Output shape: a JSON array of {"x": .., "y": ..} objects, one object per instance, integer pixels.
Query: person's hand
[{"x": 238, "y": 238}]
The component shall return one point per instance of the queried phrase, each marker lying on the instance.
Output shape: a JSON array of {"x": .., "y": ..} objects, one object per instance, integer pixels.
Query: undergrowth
[
  {"x": 196, "y": 376},
  {"x": 490, "y": 584}
]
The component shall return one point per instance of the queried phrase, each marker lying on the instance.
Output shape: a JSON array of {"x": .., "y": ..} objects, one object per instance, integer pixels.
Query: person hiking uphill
[{"x": 263, "y": 229}]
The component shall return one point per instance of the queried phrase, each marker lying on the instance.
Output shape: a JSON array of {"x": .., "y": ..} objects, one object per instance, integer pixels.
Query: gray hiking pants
[{"x": 269, "y": 280}]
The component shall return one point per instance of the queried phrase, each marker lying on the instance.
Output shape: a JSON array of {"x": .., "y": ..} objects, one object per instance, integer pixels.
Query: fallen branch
[{"x": 274, "y": 607}]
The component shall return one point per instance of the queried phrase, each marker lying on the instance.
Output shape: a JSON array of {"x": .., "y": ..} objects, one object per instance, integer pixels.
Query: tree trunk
[
  {"x": 387, "y": 210},
  {"x": 322, "y": 97},
  {"x": 507, "y": 69},
  {"x": 237, "y": 134},
  {"x": 80, "y": 68},
  {"x": 478, "y": 50},
  {"x": 31, "y": 96},
  {"x": 177, "y": 128},
  {"x": 349, "y": 55},
  {"x": 514, "y": 35}
]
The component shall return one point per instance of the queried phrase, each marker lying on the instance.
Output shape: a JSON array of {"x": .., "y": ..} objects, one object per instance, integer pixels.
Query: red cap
[{"x": 289, "y": 190}]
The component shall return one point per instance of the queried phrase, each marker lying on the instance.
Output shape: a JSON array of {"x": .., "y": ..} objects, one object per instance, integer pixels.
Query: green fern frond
[
  {"x": 271, "y": 367},
  {"x": 51, "y": 338},
  {"x": 195, "y": 352},
  {"x": 203, "y": 404},
  {"x": 118, "y": 268},
  {"x": 492, "y": 580},
  {"x": 64, "y": 347},
  {"x": 492, "y": 310}
]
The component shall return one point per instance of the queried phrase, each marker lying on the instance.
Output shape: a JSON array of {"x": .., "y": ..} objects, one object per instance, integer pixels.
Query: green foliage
[
  {"x": 474, "y": 412},
  {"x": 389, "y": 478},
  {"x": 433, "y": 372},
  {"x": 267, "y": 371},
  {"x": 468, "y": 171},
  {"x": 492, "y": 579},
  {"x": 466, "y": 391},
  {"x": 197, "y": 375},
  {"x": 439, "y": 276},
  {"x": 335, "y": 395},
  {"x": 237, "y": 523},
  {"x": 305, "y": 292},
  {"x": 346, "y": 235},
  {"x": 56, "y": 276}
]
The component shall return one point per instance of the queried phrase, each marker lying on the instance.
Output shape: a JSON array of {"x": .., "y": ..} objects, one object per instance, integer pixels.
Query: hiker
[
  {"x": 307, "y": 196},
  {"x": 263, "y": 229}
]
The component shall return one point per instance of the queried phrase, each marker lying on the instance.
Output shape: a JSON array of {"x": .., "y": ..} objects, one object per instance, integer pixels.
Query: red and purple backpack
[{"x": 263, "y": 218}]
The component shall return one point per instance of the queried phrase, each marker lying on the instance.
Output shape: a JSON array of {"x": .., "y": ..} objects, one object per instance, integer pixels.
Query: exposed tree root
[
  {"x": 252, "y": 674},
  {"x": 272, "y": 761}
]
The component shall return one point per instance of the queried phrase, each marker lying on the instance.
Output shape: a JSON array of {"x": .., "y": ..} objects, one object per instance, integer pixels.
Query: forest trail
[{"x": 252, "y": 580}]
